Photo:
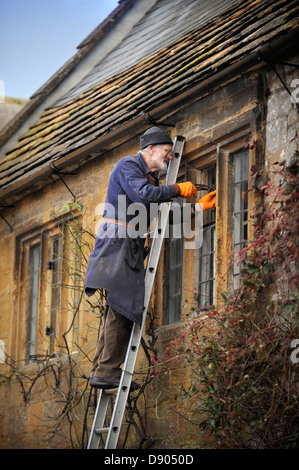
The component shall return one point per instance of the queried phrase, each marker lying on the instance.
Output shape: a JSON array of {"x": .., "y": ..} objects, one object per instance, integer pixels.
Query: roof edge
[{"x": 107, "y": 24}]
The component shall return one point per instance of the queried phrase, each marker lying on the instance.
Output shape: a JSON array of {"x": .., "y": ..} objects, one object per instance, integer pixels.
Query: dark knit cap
[{"x": 154, "y": 136}]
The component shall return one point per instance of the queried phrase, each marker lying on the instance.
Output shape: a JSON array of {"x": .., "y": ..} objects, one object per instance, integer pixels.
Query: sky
[{"x": 37, "y": 37}]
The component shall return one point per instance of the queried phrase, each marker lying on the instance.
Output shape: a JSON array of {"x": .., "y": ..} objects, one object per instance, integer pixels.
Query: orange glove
[
  {"x": 208, "y": 201},
  {"x": 187, "y": 190}
]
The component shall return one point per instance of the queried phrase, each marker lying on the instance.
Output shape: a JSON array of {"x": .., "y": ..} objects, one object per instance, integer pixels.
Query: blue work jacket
[{"x": 117, "y": 261}]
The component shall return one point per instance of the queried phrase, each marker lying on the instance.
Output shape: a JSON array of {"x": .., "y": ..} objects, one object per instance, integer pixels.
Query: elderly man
[{"x": 117, "y": 260}]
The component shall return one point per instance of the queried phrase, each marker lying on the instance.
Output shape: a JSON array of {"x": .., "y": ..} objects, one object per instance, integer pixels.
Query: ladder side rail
[
  {"x": 98, "y": 420},
  {"x": 136, "y": 334}
]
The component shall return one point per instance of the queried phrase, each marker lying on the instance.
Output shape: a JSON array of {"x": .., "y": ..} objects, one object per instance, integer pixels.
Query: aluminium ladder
[{"x": 133, "y": 346}]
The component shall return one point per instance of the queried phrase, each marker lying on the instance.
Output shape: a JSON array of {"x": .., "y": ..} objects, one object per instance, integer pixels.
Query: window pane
[
  {"x": 175, "y": 281},
  {"x": 207, "y": 252},
  {"x": 56, "y": 248},
  {"x": 241, "y": 196},
  {"x": 34, "y": 263},
  {"x": 55, "y": 294},
  {"x": 174, "y": 309},
  {"x": 56, "y": 272},
  {"x": 241, "y": 175},
  {"x": 174, "y": 265},
  {"x": 76, "y": 292}
]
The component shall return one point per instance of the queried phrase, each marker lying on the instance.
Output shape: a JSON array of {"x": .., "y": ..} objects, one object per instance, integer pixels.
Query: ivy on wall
[{"x": 244, "y": 384}]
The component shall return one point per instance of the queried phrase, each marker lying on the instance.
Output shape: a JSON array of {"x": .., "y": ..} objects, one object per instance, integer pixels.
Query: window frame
[
  {"x": 225, "y": 205},
  {"x": 56, "y": 274},
  {"x": 43, "y": 236}
]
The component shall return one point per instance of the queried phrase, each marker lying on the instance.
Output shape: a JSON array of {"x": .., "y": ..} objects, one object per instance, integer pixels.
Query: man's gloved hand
[
  {"x": 208, "y": 201},
  {"x": 187, "y": 189}
]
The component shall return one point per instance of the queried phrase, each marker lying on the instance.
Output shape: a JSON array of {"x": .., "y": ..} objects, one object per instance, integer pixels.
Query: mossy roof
[{"x": 194, "y": 57}]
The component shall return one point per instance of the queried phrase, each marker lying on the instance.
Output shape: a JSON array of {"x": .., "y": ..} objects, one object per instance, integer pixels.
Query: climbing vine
[
  {"x": 244, "y": 383},
  {"x": 60, "y": 380}
]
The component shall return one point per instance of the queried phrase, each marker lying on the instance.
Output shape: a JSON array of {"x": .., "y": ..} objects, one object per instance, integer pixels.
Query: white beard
[{"x": 160, "y": 163}]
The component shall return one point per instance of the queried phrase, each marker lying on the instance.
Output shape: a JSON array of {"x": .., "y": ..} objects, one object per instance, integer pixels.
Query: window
[
  {"x": 33, "y": 297},
  {"x": 76, "y": 295},
  {"x": 211, "y": 275},
  {"x": 206, "y": 288},
  {"x": 174, "y": 271},
  {"x": 240, "y": 204},
  {"x": 224, "y": 133},
  {"x": 55, "y": 292},
  {"x": 175, "y": 277}
]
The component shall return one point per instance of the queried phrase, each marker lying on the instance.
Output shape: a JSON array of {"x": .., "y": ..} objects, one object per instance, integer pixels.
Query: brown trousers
[{"x": 112, "y": 345}]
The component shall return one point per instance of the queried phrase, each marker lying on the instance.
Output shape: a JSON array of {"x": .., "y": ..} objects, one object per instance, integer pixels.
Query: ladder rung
[{"x": 100, "y": 431}]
